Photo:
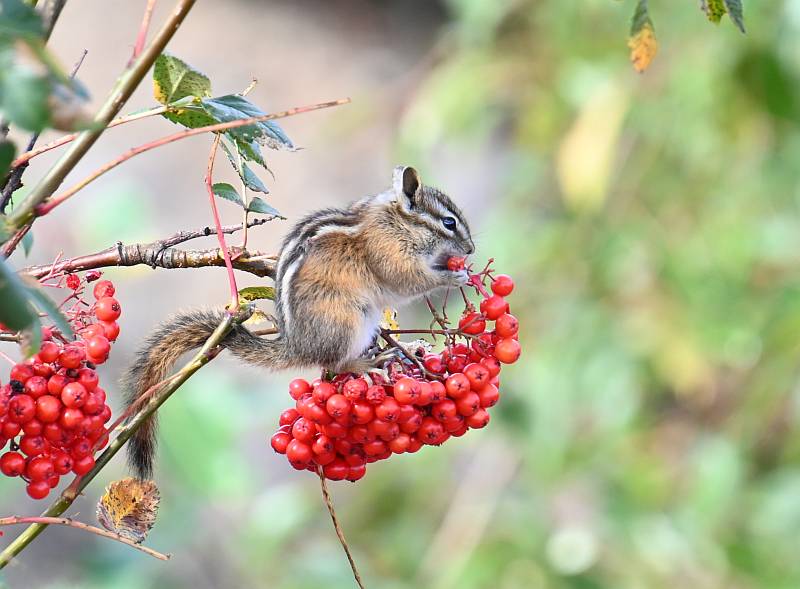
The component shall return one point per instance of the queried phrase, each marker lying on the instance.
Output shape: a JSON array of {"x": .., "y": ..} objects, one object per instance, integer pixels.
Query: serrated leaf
[
  {"x": 642, "y": 41},
  {"x": 23, "y": 98},
  {"x": 252, "y": 181},
  {"x": 18, "y": 19},
  {"x": 15, "y": 310},
  {"x": 234, "y": 107},
  {"x": 129, "y": 508},
  {"x": 46, "y": 305},
  {"x": 255, "y": 293},
  {"x": 7, "y": 152},
  {"x": 174, "y": 79},
  {"x": 714, "y": 9},
  {"x": 27, "y": 243},
  {"x": 258, "y": 205},
  {"x": 228, "y": 192},
  {"x": 736, "y": 13}
]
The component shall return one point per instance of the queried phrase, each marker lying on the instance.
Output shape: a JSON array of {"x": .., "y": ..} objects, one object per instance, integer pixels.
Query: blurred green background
[{"x": 647, "y": 437}]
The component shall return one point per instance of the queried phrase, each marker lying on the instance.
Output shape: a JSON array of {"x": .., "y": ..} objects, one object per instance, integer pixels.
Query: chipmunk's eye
[{"x": 449, "y": 223}]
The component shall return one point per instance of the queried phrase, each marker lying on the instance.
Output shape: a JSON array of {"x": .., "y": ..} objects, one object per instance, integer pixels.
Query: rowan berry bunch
[
  {"x": 52, "y": 410},
  {"x": 343, "y": 423}
]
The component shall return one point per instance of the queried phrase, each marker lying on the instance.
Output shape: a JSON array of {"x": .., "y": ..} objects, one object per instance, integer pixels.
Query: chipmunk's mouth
[{"x": 440, "y": 262}]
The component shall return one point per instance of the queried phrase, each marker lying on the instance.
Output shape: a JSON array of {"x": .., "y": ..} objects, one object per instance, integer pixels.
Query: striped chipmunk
[{"x": 337, "y": 270}]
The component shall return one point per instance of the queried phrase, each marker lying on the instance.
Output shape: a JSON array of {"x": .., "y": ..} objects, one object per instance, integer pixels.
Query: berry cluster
[
  {"x": 52, "y": 411},
  {"x": 344, "y": 423}
]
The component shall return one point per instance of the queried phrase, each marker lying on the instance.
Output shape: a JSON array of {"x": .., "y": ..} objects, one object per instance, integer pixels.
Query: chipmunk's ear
[{"x": 406, "y": 182}]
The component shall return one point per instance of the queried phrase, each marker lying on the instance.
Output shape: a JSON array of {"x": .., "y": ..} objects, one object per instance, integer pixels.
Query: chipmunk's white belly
[{"x": 364, "y": 333}]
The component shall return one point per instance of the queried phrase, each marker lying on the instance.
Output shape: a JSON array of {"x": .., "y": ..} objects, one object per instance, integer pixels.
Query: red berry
[
  {"x": 88, "y": 378},
  {"x": 299, "y": 387},
  {"x": 10, "y": 429},
  {"x": 433, "y": 363},
  {"x": 493, "y": 307},
  {"x": 361, "y": 412},
  {"x": 336, "y": 470},
  {"x": 455, "y": 263},
  {"x": 38, "y": 489},
  {"x": 479, "y": 419},
  {"x": 324, "y": 458},
  {"x": 74, "y": 395},
  {"x": 33, "y": 427},
  {"x": 338, "y": 406},
  {"x": 21, "y": 408},
  {"x": 71, "y": 418},
  {"x": 469, "y": 404},
  {"x": 21, "y": 372},
  {"x": 322, "y": 445},
  {"x": 289, "y": 416},
  {"x": 489, "y": 395},
  {"x": 355, "y": 389},
  {"x": 375, "y": 448},
  {"x": 102, "y": 289},
  {"x": 406, "y": 391},
  {"x": 457, "y": 385},
  {"x": 107, "y": 309},
  {"x": 438, "y": 392},
  {"x": 389, "y": 410},
  {"x": 375, "y": 394},
  {"x": 477, "y": 374},
  {"x": 12, "y": 464},
  {"x": 110, "y": 330},
  {"x": 356, "y": 472},
  {"x": 32, "y": 445},
  {"x": 62, "y": 462},
  {"x": 49, "y": 351},
  {"x": 431, "y": 431},
  {"x": 400, "y": 443},
  {"x": 280, "y": 441},
  {"x": 323, "y": 391},
  {"x": 444, "y": 410},
  {"x": 472, "y": 323},
  {"x": 304, "y": 430},
  {"x": 492, "y": 364},
  {"x": 299, "y": 454},
  {"x": 40, "y": 468},
  {"x": 56, "y": 383},
  {"x": 71, "y": 357},
  {"x": 502, "y": 285},
  {"x": 83, "y": 465},
  {"x": 98, "y": 347},
  {"x": 73, "y": 282},
  {"x": 506, "y": 325},
  {"x": 80, "y": 448},
  {"x": 507, "y": 351}
]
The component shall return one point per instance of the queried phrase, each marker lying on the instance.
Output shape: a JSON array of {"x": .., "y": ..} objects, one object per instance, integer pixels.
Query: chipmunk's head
[{"x": 438, "y": 224}]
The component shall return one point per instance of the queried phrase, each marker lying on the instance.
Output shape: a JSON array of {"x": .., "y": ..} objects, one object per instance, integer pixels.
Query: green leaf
[
  {"x": 641, "y": 18},
  {"x": 23, "y": 98},
  {"x": 228, "y": 192},
  {"x": 736, "y": 13},
  {"x": 255, "y": 293},
  {"x": 174, "y": 79},
  {"x": 46, "y": 305},
  {"x": 252, "y": 181},
  {"x": 15, "y": 311},
  {"x": 18, "y": 19},
  {"x": 27, "y": 243},
  {"x": 33, "y": 338},
  {"x": 7, "y": 152},
  {"x": 234, "y": 107},
  {"x": 258, "y": 205}
]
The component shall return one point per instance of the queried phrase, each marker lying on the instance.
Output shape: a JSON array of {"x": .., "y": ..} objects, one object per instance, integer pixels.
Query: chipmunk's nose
[{"x": 469, "y": 247}]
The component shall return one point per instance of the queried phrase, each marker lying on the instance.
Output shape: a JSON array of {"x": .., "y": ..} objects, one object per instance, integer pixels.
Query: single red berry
[
  {"x": 49, "y": 351},
  {"x": 477, "y": 374},
  {"x": 361, "y": 412},
  {"x": 55, "y": 434},
  {"x": 506, "y": 325},
  {"x": 71, "y": 357},
  {"x": 62, "y": 462},
  {"x": 98, "y": 347},
  {"x": 433, "y": 363},
  {"x": 93, "y": 403},
  {"x": 323, "y": 391},
  {"x": 457, "y": 385},
  {"x": 299, "y": 454},
  {"x": 40, "y": 468},
  {"x": 502, "y": 285},
  {"x": 80, "y": 448},
  {"x": 322, "y": 445},
  {"x": 406, "y": 391},
  {"x": 334, "y": 430},
  {"x": 289, "y": 416},
  {"x": 469, "y": 404},
  {"x": 492, "y": 364},
  {"x": 280, "y": 441},
  {"x": 299, "y": 387},
  {"x": 10, "y": 429},
  {"x": 356, "y": 389},
  {"x": 73, "y": 282},
  {"x": 74, "y": 395},
  {"x": 324, "y": 458},
  {"x": 456, "y": 263},
  {"x": 38, "y": 489},
  {"x": 400, "y": 443},
  {"x": 91, "y": 331},
  {"x": 12, "y": 464},
  {"x": 444, "y": 410},
  {"x": 56, "y": 383},
  {"x": 438, "y": 392},
  {"x": 472, "y": 323},
  {"x": 430, "y": 431},
  {"x": 375, "y": 394},
  {"x": 33, "y": 445},
  {"x": 71, "y": 417},
  {"x": 479, "y": 419},
  {"x": 494, "y": 306},
  {"x": 83, "y": 465},
  {"x": 53, "y": 481},
  {"x": 338, "y": 406},
  {"x": 489, "y": 396},
  {"x": 21, "y": 372},
  {"x": 102, "y": 289},
  {"x": 356, "y": 472},
  {"x": 107, "y": 309},
  {"x": 88, "y": 378},
  {"x": 456, "y": 364},
  {"x": 361, "y": 434},
  {"x": 110, "y": 330},
  {"x": 507, "y": 351},
  {"x": 389, "y": 410},
  {"x": 375, "y": 448},
  {"x": 336, "y": 470},
  {"x": 21, "y": 408},
  {"x": 304, "y": 430},
  {"x": 425, "y": 394},
  {"x": 33, "y": 427}
]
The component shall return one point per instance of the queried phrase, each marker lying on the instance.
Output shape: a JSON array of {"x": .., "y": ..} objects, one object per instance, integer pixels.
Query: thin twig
[
  {"x": 207, "y": 353},
  {"x": 66, "y": 521},
  {"x": 395, "y": 344},
  {"x": 50, "y": 204},
  {"x": 220, "y": 234},
  {"x": 329, "y": 504},
  {"x": 10, "y": 245},
  {"x": 122, "y": 90},
  {"x": 9, "y": 337},
  {"x": 141, "y": 38},
  {"x": 160, "y": 254}
]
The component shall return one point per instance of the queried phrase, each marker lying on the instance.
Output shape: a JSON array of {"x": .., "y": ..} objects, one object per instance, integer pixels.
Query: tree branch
[
  {"x": 127, "y": 83},
  {"x": 207, "y": 353},
  {"x": 66, "y": 521},
  {"x": 160, "y": 254}
]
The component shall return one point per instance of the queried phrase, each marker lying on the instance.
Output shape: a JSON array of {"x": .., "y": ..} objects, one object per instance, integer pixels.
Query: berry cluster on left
[{"x": 53, "y": 413}]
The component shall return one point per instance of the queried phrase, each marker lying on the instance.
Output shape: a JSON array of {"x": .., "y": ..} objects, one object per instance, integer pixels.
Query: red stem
[{"x": 141, "y": 38}]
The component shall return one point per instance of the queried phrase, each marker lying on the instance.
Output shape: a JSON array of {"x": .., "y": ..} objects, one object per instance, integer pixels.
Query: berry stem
[
  {"x": 339, "y": 533},
  {"x": 141, "y": 38},
  {"x": 234, "y": 304},
  {"x": 66, "y": 521},
  {"x": 45, "y": 206}
]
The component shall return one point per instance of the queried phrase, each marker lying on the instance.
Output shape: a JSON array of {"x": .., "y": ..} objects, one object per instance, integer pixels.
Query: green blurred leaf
[
  {"x": 252, "y": 181},
  {"x": 228, "y": 192},
  {"x": 714, "y": 9},
  {"x": 46, "y": 305},
  {"x": 255, "y": 293},
  {"x": 736, "y": 13},
  {"x": 7, "y": 152},
  {"x": 27, "y": 243},
  {"x": 23, "y": 98},
  {"x": 174, "y": 79},
  {"x": 18, "y": 19},
  {"x": 16, "y": 311},
  {"x": 258, "y": 205},
  {"x": 641, "y": 17}
]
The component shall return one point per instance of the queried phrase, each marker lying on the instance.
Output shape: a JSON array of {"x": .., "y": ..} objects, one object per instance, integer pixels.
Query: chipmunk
[{"x": 337, "y": 270}]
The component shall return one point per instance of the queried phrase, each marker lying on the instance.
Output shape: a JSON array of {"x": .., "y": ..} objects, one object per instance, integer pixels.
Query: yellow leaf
[
  {"x": 643, "y": 46},
  {"x": 129, "y": 508}
]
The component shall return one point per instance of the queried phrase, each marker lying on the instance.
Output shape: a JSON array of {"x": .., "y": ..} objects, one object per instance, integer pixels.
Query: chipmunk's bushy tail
[{"x": 170, "y": 340}]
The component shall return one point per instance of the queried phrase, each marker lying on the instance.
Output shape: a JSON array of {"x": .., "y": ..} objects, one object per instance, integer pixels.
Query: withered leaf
[{"x": 129, "y": 508}]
